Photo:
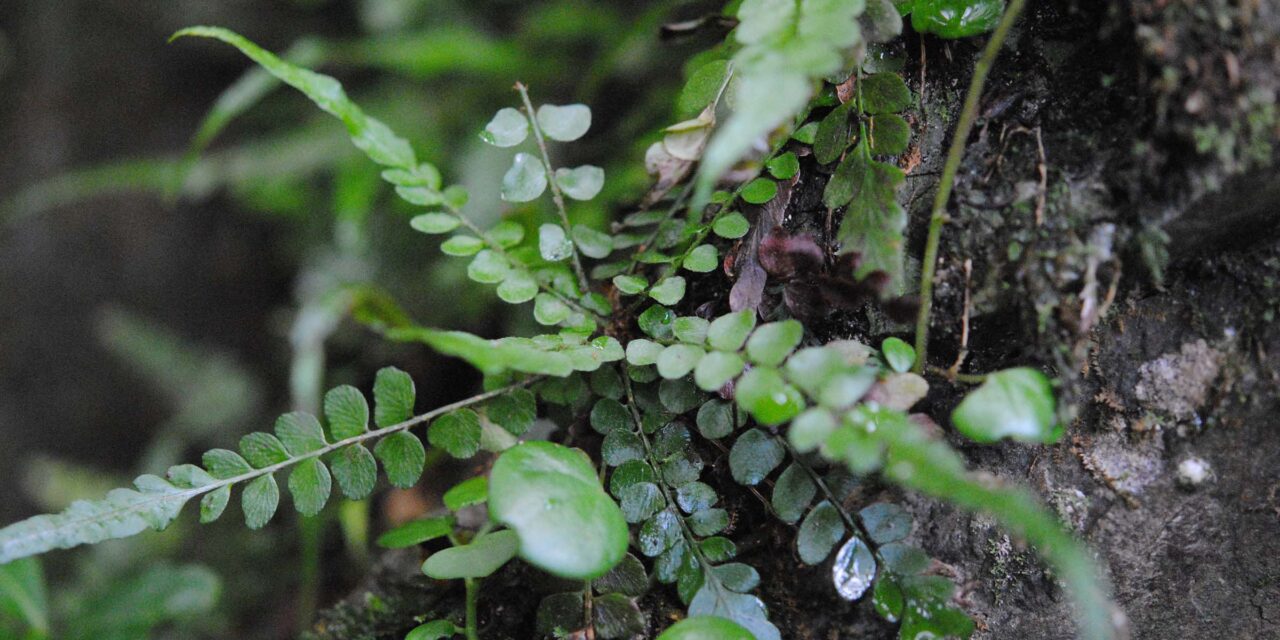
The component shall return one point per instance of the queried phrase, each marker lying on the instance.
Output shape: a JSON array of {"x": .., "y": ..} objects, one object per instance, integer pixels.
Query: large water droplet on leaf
[{"x": 854, "y": 569}]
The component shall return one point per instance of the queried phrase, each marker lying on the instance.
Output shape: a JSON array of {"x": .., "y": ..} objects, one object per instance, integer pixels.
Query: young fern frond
[{"x": 299, "y": 442}]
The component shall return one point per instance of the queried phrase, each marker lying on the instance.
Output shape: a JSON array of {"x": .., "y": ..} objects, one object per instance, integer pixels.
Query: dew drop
[{"x": 854, "y": 569}]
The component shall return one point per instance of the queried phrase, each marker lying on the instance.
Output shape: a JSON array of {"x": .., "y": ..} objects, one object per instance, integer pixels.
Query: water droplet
[{"x": 854, "y": 569}]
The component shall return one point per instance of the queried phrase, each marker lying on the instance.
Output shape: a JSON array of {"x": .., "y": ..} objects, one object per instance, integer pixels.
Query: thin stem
[
  {"x": 588, "y": 615},
  {"x": 473, "y": 598},
  {"x": 938, "y": 216},
  {"x": 551, "y": 180},
  {"x": 954, "y": 376}
]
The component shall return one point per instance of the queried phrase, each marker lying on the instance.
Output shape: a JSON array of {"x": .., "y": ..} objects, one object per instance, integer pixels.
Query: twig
[
  {"x": 551, "y": 179},
  {"x": 938, "y": 217},
  {"x": 1043, "y": 187}
]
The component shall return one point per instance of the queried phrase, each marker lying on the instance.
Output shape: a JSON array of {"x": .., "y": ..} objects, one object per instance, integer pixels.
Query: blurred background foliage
[{"x": 177, "y": 234}]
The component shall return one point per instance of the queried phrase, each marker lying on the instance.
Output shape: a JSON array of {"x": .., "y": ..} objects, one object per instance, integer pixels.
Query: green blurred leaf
[
  {"x": 716, "y": 369},
  {"x": 434, "y": 630},
  {"x": 759, "y": 191},
  {"x": 369, "y": 135},
  {"x": 479, "y": 559},
  {"x": 630, "y": 285},
  {"x": 517, "y": 287},
  {"x": 784, "y": 166},
  {"x": 471, "y": 491},
  {"x": 706, "y": 628},
  {"x": 641, "y": 352},
  {"x": 488, "y": 267},
  {"x": 462, "y": 246},
  {"x": 771, "y": 343},
  {"x": 898, "y": 354},
  {"x": 730, "y": 331},
  {"x": 592, "y": 243},
  {"x": 23, "y": 596},
  {"x": 551, "y": 496},
  {"x": 677, "y": 360},
  {"x": 1014, "y": 403},
  {"x": 416, "y": 532},
  {"x": 701, "y": 89},
  {"x": 435, "y": 223}
]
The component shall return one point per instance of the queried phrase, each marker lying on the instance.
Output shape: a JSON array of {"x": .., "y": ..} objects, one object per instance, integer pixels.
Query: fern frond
[
  {"x": 786, "y": 46},
  {"x": 820, "y": 391},
  {"x": 299, "y": 442},
  {"x": 420, "y": 184}
]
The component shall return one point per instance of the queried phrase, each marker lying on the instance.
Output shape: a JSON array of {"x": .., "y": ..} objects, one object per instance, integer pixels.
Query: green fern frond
[
  {"x": 299, "y": 443},
  {"x": 822, "y": 392},
  {"x": 787, "y": 45}
]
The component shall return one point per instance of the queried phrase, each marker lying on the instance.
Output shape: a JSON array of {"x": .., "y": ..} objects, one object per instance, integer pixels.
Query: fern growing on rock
[{"x": 658, "y": 378}]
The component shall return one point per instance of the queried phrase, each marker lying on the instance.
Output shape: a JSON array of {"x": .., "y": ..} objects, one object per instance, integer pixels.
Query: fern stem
[
  {"x": 685, "y": 531},
  {"x": 473, "y": 599},
  {"x": 938, "y": 216},
  {"x": 556, "y": 195}
]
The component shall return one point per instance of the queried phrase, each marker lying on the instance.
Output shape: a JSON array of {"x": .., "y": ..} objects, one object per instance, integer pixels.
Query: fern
[
  {"x": 299, "y": 442},
  {"x": 786, "y": 46},
  {"x": 843, "y": 400},
  {"x": 783, "y": 384}
]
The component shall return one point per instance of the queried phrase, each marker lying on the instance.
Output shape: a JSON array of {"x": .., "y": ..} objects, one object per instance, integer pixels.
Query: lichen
[{"x": 1176, "y": 385}]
